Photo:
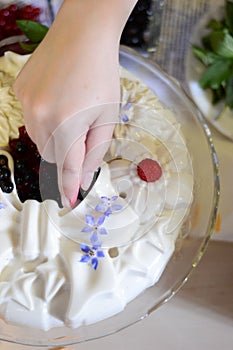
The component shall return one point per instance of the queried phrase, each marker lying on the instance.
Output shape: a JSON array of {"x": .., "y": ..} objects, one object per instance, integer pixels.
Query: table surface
[{"x": 201, "y": 314}]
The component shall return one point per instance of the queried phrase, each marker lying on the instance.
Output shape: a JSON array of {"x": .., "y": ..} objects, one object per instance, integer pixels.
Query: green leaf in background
[
  {"x": 216, "y": 74},
  {"x": 34, "y": 31},
  {"x": 206, "y": 42},
  {"x": 29, "y": 47},
  {"x": 222, "y": 43},
  {"x": 229, "y": 92},
  {"x": 229, "y": 16},
  {"x": 216, "y": 54},
  {"x": 215, "y": 25},
  {"x": 218, "y": 94},
  {"x": 205, "y": 56}
]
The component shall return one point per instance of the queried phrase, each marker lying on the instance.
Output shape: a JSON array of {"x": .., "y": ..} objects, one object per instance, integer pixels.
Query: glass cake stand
[{"x": 195, "y": 234}]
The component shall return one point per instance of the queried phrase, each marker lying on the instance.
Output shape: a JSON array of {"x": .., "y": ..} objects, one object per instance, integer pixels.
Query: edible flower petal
[
  {"x": 2, "y": 205},
  {"x": 94, "y": 227},
  {"x": 123, "y": 111},
  {"x": 92, "y": 254},
  {"x": 107, "y": 205}
]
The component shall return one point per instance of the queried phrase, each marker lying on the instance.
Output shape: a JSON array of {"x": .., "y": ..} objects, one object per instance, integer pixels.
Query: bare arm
[{"x": 69, "y": 89}]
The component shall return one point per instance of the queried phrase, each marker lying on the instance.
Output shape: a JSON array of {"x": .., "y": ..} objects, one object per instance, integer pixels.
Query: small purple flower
[
  {"x": 127, "y": 105},
  {"x": 2, "y": 205},
  {"x": 94, "y": 227},
  {"x": 123, "y": 113},
  {"x": 92, "y": 254},
  {"x": 124, "y": 118},
  {"x": 108, "y": 205}
]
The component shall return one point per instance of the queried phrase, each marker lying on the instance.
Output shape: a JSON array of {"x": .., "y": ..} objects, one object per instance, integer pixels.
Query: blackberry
[
  {"x": 5, "y": 174},
  {"x": 21, "y": 147},
  {"x": 19, "y": 164},
  {"x": 6, "y": 187},
  {"x": 3, "y": 160},
  {"x": 19, "y": 180},
  {"x": 134, "y": 31},
  {"x": 33, "y": 175}
]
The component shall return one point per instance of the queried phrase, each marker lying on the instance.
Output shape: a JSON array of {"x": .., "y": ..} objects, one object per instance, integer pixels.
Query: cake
[{"x": 76, "y": 267}]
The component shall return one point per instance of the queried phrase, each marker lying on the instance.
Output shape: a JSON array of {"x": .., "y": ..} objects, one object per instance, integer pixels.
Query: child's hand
[{"x": 70, "y": 91}]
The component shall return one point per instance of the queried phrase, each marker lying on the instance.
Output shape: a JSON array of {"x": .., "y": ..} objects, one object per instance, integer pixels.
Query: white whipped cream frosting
[{"x": 43, "y": 284}]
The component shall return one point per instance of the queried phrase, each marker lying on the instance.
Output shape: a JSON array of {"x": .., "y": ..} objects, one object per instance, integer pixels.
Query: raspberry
[
  {"x": 149, "y": 170},
  {"x": 9, "y": 15}
]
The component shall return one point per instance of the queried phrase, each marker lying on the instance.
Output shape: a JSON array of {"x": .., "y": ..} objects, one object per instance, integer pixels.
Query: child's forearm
[{"x": 106, "y": 15}]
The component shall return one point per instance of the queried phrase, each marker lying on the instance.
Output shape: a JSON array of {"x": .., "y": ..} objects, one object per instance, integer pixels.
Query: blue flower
[
  {"x": 124, "y": 118},
  {"x": 2, "y": 205},
  {"x": 92, "y": 254},
  {"x": 94, "y": 227},
  {"x": 108, "y": 205},
  {"x": 123, "y": 111}
]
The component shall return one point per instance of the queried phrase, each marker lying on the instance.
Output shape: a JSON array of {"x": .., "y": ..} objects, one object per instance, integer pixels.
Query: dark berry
[
  {"x": 7, "y": 187},
  {"x": 13, "y": 8},
  {"x": 22, "y": 197},
  {"x": 136, "y": 26},
  {"x": 32, "y": 146},
  {"x": 34, "y": 177},
  {"x": 35, "y": 196},
  {"x": 23, "y": 133},
  {"x": 2, "y": 22},
  {"x": 12, "y": 144},
  {"x": 5, "y": 174},
  {"x": 27, "y": 9},
  {"x": 5, "y": 12},
  {"x": 19, "y": 164},
  {"x": 19, "y": 180},
  {"x": 37, "y": 11},
  {"x": 21, "y": 147},
  {"x": 28, "y": 175},
  {"x": 3, "y": 160},
  {"x": 34, "y": 186}
]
